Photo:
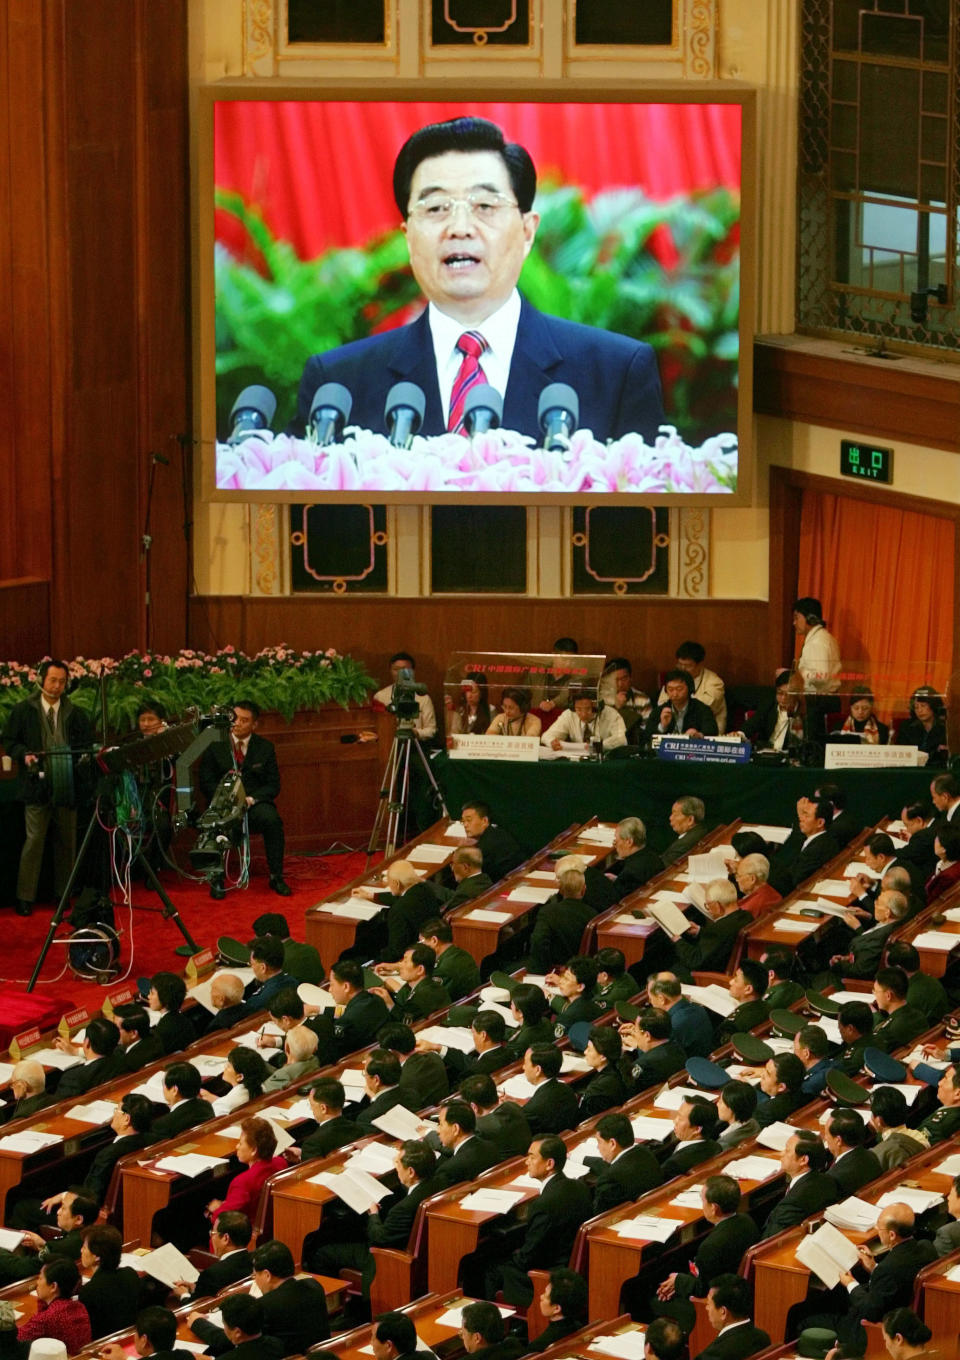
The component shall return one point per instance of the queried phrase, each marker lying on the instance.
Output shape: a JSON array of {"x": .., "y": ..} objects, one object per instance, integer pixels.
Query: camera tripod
[
  {"x": 168, "y": 911},
  {"x": 393, "y": 808}
]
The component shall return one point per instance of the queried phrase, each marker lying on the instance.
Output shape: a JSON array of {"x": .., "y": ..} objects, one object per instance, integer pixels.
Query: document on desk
[
  {"x": 572, "y": 1062},
  {"x": 827, "y": 1254},
  {"x": 543, "y": 876},
  {"x": 10, "y": 1239},
  {"x": 622, "y": 1345},
  {"x": 377, "y": 1158},
  {"x": 456, "y": 830},
  {"x": 491, "y": 1201},
  {"x": 52, "y": 1057},
  {"x": 752, "y": 1168},
  {"x": 689, "y": 1198},
  {"x": 599, "y": 835},
  {"x": 495, "y": 918},
  {"x": 853, "y": 1213},
  {"x": 672, "y": 1097},
  {"x": 403, "y": 1124},
  {"x": 919, "y": 1200},
  {"x": 648, "y": 1227},
  {"x": 778, "y": 834},
  {"x": 788, "y": 926},
  {"x": 648, "y": 1128},
  {"x": 96, "y": 1112},
  {"x": 29, "y": 1141},
  {"x": 823, "y": 904},
  {"x": 453, "y": 1317},
  {"x": 518, "y": 1087},
  {"x": 936, "y": 939},
  {"x": 429, "y": 854},
  {"x": 857, "y": 866},
  {"x": 531, "y": 892},
  {"x": 449, "y": 1036},
  {"x": 353, "y": 909},
  {"x": 703, "y": 868},
  {"x": 191, "y": 1164},
  {"x": 777, "y": 1135},
  {"x": 950, "y": 1166}
]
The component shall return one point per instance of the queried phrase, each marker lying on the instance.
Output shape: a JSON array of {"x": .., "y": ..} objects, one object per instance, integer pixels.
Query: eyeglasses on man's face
[{"x": 482, "y": 205}]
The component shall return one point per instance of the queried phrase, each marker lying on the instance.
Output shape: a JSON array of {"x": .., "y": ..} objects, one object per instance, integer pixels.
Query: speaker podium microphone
[
  {"x": 329, "y": 413},
  {"x": 252, "y": 413},
  {"x": 482, "y": 409},
  {"x": 558, "y": 414},
  {"x": 403, "y": 413}
]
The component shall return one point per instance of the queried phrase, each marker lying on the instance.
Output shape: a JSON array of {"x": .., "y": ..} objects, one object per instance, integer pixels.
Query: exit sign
[{"x": 866, "y": 461}]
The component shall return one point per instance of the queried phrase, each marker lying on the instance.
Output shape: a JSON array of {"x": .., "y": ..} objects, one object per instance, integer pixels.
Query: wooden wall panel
[
  {"x": 94, "y": 273},
  {"x": 25, "y": 358},
  {"x": 742, "y": 640},
  {"x": 824, "y": 383},
  {"x": 25, "y": 616}
]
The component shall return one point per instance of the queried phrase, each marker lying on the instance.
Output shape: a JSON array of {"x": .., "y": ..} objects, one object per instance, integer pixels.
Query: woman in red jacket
[{"x": 255, "y": 1148}]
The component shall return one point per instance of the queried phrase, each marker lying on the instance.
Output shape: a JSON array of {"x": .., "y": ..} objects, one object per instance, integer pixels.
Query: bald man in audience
[
  {"x": 409, "y": 903},
  {"x": 865, "y": 949},
  {"x": 467, "y": 869},
  {"x": 226, "y": 997},
  {"x": 28, "y": 1087},
  {"x": 300, "y": 1051}
]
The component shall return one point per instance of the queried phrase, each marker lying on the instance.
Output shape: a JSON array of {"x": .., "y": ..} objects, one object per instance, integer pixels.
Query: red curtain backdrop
[
  {"x": 321, "y": 171},
  {"x": 885, "y": 577}
]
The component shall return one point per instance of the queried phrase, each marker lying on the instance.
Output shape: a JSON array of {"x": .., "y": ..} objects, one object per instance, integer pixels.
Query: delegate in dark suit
[
  {"x": 556, "y": 935},
  {"x": 807, "y": 1195},
  {"x": 741, "y": 1341},
  {"x": 628, "y": 874},
  {"x": 710, "y": 949},
  {"x": 723, "y": 1246},
  {"x": 553, "y": 1108},
  {"x": 467, "y": 890},
  {"x": 890, "y": 1285},
  {"x": 97, "y": 1180},
  {"x": 615, "y": 378},
  {"x": 78, "y": 1080},
  {"x": 334, "y": 1133},
  {"x": 148, "y": 1050},
  {"x": 506, "y": 1128},
  {"x": 388, "y": 934},
  {"x": 684, "y": 1159},
  {"x": 261, "y": 782},
  {"x": 110, "y": 1297},
  {"x": 553, "y": 1219},
  {"x": 473, "y": 1156},
  {"x": 604, "y": 1091},
  {"x": 220, "y": 1274},
  {"x": 628, "y": 1177},
  {"x": 184, "y": 1116},
  {"x": 681, "y": 847},
  {"x": 48, "y": 789},
  {"x": 389, "y": 1227},
  {"x": 295, "y": 1314},
  {"x": 854, "y": 1169},
  {"x": 794, "y": 863}
]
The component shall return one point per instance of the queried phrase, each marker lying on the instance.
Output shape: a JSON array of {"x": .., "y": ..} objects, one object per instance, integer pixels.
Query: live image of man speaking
[{"x": 466, "y": 198}]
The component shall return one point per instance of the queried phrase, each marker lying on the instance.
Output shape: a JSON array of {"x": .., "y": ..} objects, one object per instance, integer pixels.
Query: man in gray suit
[{"x": 947, "y": 1238}]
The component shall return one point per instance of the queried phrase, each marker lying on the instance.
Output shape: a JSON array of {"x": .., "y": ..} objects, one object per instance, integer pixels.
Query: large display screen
[{"x": 608, "y": 359}]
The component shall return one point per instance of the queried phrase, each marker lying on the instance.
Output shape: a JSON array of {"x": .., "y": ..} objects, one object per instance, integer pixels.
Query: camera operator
[
  {"x": 425, "y": 728},
  {"x": 256, "y": 760}
]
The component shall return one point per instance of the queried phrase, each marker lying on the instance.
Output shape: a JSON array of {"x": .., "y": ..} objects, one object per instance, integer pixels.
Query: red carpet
[{"x": 148, "y": 942}]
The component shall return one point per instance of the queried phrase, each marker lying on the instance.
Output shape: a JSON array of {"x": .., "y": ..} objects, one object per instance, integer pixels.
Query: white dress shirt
[
  {"x": 606, "y": 726},
  {"x": 500, "y": 333}
]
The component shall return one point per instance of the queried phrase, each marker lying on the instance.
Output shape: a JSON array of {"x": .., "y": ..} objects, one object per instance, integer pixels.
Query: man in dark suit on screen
[
  {"x": 256, "y": 760},
  {"x": 466, "y": 198}
]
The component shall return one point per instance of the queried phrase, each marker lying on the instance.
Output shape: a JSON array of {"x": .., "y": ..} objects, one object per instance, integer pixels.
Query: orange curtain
[{"x": 885, "y": 577}]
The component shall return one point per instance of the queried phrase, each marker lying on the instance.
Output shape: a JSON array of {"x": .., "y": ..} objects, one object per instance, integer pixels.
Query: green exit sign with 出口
[{"x": 866, "y": 461}]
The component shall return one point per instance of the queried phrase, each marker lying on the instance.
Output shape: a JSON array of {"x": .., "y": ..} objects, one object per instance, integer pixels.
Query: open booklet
[
  {"x": 357, "y": 1188},
  {"x": 827, "y": 1253},
  {"x": 168, "y": 1265},
  {"x": 668, "y": 917}
]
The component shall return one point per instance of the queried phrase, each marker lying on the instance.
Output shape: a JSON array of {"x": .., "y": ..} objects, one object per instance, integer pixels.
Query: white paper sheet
[
  {"x": 648, "y": 1227},
  {"x": 429, "y": 854},
  {"x": 752, "y": 1168},
  {"x": 599, "y": 835},
  {"x": 530, "y": 892},
  {"x": 936, "y": 939},
  {"x": 788, "y": 926},
  {"x": 769, "y": 833},
  {"x": 494, "y": 917},
  {"x": 96, "y": 1112},
  {"x": 491, "y": 1201}
]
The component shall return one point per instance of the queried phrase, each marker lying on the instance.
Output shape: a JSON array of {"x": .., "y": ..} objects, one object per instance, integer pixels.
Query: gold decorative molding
[
  {"x": 259, "y": 38},
  {"x": 700, "y": 39},
  {"x": 265, "y": 545},
  {"x": 693, "y": 574}
]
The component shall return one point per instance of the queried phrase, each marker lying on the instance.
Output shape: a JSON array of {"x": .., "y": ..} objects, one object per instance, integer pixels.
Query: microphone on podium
[
  {"x": 558, "y": 414},
  {"x": 482, "y": 409},
  {"x": 403, "y": 413},
  {"x": 252, "y": 412},
  {"x": 329, "y": 413}
]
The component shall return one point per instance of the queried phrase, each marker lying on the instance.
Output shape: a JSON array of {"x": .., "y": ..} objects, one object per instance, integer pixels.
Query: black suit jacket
[
  {"x": 467, "y": 890},
  {"x": 807, "y": 1195},
  {"x": 77, "y": 1081},
  {"x": 225, "y": 1019},
  {"x": 97, "y": 1180},
  {"x": 686, "y": 1158},
  {"x": 628, "y": 875},
  {"x": 890, "y": 1285},
  {"x": 259, "y": 771},
  {"x": 185, "y": 1116},
  {"x": 604, "y": 1091},
  {"x": 553, "y": 1219},
  {"x": 111, "y": 1298},
  {"x": 501, "y": 853},
  {"x": 383, "y": 1103},
  {"x": 633, "y": 1173},
  {"x": 403, "y": 919},
  {"x": 552, "y": 1108},
  {"x": 393, "y": 1225},
  {"x": 143, "y": 1052},
  {"x": 681, "y": 847},
  {"x": 697, "y": 718},
  {"x": 423, "y": 1080},
  {"x": 470, "y": 1159},
  {"x": 720, "y": 1251},
  {"x": 710, "y": 949},
  {"x": 335, "y": 1133},
  {"x": 793, "y": 864},
  {"x": 737, "y": 1344},
  {"x": 296, "y": 1313},
  {"x": 507, "y": 1129},
  {"x": 223, "y": 1273},
  {"x": 854, "y": 1169},
  {"x": 175, "y": 1031},
  {"x": 557, "y": 932},
  {"x": 23, "y": 733},
  {"x": 615, "y": 377}
]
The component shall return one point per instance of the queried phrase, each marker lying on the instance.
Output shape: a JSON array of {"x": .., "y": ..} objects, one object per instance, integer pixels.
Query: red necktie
[
  {"x": 471, "y": 345},
  {"x": 238, "y": 754}
]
